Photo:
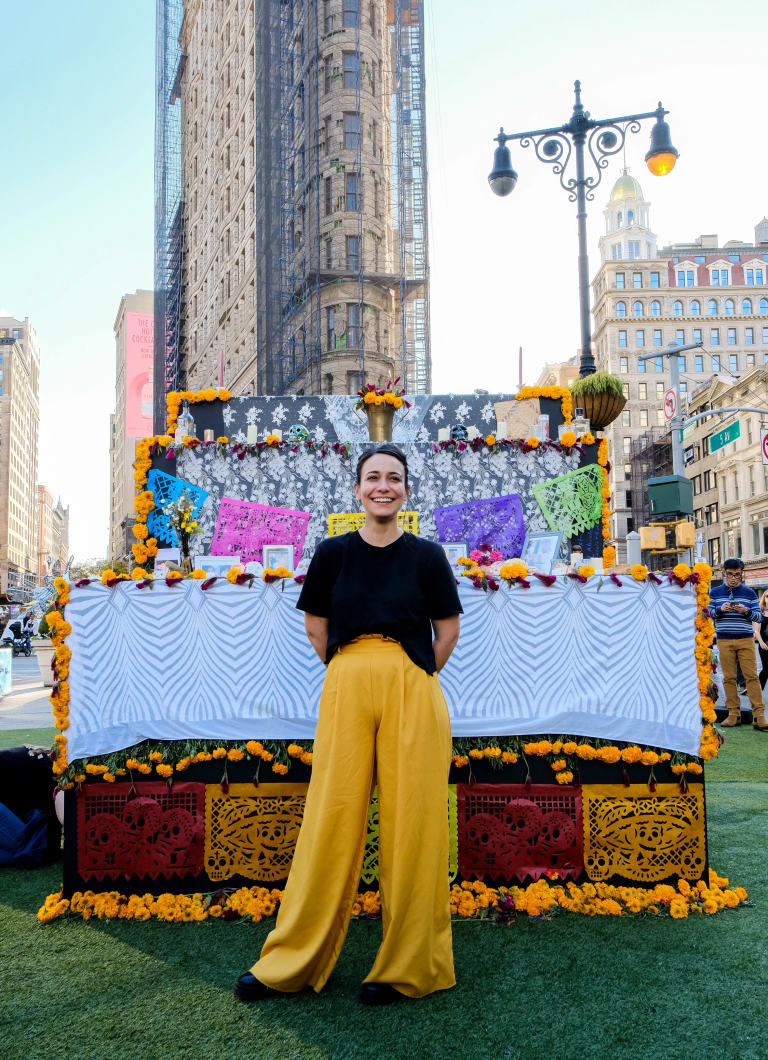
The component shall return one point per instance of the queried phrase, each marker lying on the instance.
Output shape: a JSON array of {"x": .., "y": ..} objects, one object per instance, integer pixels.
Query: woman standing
[
  {"x": 761, "y": 636},
  {"x": 382, "y": 611}
]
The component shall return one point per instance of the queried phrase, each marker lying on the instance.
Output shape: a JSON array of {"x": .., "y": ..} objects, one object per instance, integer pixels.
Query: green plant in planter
[
  {"x": 598, "y": 383},
  {"x": 44, "y": 630}
]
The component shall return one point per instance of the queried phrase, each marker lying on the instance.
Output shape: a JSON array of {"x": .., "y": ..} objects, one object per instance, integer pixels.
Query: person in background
[
  {"x": 737, "y": 616},
  {"x": 761, "y": 636}
]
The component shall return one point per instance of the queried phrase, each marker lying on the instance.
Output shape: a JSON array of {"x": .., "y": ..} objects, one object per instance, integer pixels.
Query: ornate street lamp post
[{"x": 603, "y": 137}]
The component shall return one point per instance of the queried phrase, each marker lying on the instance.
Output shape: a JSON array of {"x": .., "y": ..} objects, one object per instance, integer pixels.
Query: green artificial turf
[
  {"x": 33, "y": 737},
  {"x": 561, "y": 988}
]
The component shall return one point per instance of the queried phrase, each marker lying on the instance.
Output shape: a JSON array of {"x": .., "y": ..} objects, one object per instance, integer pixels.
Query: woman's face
[{"x": 382, "y": 490}]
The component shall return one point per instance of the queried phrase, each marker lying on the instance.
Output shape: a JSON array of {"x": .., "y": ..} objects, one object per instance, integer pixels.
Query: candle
[
  {"x": 472, "y": 432},
  {"x": 253, "y": 433},
  {"x": 278, "y": 434},
  {"x": 443, "y": 434},
  {"x": 207, "y": 436}
]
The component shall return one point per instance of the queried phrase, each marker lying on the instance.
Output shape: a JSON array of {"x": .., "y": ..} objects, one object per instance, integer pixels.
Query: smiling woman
[{"x": 382, "y": 612}]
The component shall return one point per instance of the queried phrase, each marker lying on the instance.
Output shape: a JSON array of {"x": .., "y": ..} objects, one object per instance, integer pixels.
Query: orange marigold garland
[
  {"x": 175, "y": 397},
  {"x": 60, "y": 630},
  {"x": 553, "y": 392}
]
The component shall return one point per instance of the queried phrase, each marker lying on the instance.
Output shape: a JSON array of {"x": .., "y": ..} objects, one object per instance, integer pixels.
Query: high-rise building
[
  {"x": 291, "y": 225},
  {"x": 19, "y": 428},
  {"x": 52, "y": 534},
  {"x": 132, "y": 418},
  {"x": 646, "y": 298}
]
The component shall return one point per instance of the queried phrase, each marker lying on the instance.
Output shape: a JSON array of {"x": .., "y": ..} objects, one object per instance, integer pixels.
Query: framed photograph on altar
[
  {"x": 166, "y": 560},
  {"x": 454, "y": 550},
  {"x": 278, "y": 556},
  {"x": 217, "y": 566},
  {"x": 541, "y": 549}
]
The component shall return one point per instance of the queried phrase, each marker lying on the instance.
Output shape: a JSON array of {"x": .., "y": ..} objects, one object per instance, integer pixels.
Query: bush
[
  {"x": 598, "y": 383},
  {"x": 44, "y": 630}
]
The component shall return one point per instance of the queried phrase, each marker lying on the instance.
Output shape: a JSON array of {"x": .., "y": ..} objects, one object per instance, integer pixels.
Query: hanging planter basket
[{"x": 600, "y": 409}]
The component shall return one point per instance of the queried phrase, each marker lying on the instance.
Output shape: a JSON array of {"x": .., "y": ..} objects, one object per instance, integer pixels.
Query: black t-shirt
[{"x": 395, "y": 590}]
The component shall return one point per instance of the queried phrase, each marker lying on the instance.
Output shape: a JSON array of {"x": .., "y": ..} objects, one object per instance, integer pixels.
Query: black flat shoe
[
  {"x": 249, "y": 988},
  {"x": 379, "y": 994}
]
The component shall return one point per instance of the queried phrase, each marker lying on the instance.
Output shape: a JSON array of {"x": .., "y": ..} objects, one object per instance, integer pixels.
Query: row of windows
[
  {"x": 694, "y": 308},
  {"x": 734, "y": 363},
  {"x": 637, "y": 280},
  {"x": 753, "y": 277},
  {"x": 731, "y": 334}
]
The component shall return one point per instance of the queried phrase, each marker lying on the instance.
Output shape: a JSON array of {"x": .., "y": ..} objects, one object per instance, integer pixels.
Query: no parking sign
[{"x": 764, "y": 443}]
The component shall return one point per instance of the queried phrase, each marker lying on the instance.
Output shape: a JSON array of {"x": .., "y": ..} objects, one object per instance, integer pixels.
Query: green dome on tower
[{"x": 626, "y": 187}]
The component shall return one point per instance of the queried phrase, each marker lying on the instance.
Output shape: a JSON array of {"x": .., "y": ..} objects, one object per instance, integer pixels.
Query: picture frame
[
  {"x": 454, "y": 550},
  {"x": 278, "y": 556},
  {"x": 541, "y": 549},
  {"x": 217, "y": 566}
]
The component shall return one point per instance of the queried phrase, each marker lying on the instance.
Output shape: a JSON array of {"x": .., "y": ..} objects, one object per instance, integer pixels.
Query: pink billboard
[{"x": 139, "y": 351}]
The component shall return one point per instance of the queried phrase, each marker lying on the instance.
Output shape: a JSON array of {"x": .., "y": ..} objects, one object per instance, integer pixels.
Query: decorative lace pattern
[
  {"x": 571, "y": 502},
  {"x": 167, "y": 488},
  {"x": 644, "y": 836},
  {"x": 496, "y": 520},
  {"x": 158, "y": 833},
  {"x": 345, "y": 522},
  {"x": 370, "y": 870},
  {"x": 243, "y": 528},
  {"x": 509, "y": 832}
]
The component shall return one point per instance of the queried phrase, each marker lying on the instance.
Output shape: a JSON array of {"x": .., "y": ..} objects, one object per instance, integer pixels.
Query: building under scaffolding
[
  {"x": 650, "y": 456},
  {"x": 291, "y": 224}
]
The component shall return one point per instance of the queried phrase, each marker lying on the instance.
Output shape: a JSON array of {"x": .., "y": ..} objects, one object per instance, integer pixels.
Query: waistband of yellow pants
[{"x": 370, "y": 642}]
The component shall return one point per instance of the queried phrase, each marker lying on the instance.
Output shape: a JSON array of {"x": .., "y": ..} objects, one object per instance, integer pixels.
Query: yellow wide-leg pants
[{"x": 381, "y": 718}]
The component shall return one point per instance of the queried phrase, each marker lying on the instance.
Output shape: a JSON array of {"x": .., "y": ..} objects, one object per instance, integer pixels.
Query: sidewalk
[{"x": 27, "y": 706}]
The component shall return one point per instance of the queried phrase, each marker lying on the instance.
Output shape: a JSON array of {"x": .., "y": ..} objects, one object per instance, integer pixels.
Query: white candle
[
  {"x": 253, "y": 433},
  {"x": 207, "y": 436},
  {"x": 179, "y": 436},
  {"x": 443, "y": 434},
  {"x": 472, "y": 432},
  {"x": 278, "y": 434}
]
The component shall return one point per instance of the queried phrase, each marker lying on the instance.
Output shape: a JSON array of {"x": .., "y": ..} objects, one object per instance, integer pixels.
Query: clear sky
[{"x": 76, "y": 184}]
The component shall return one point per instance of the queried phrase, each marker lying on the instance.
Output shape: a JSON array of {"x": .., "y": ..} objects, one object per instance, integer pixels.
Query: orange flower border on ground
[{"x": 542, "y": 900}]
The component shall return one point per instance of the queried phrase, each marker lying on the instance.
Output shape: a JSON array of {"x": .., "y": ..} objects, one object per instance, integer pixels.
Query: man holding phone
[{"x": 736, "y": 612}]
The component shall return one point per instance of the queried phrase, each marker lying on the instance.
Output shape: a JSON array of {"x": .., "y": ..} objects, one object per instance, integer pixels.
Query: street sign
[
  {"x": 724, "y": 436},
  {"x": 670, "y": 404},
  {"x": 764, "y": 444}
]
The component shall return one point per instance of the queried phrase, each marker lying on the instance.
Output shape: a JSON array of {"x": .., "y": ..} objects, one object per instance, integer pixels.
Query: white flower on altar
[
  {"x": 422, "y": 435},
  {"x": 228, "y": 414},
  {"x": 487, "y": 412},
  {"x": 462, "y": 411},
  {"x": 305, "y": 411},
  {"x": 437, "y": 412},
  {"x": 252, "y": 415},
  {"x": 318, "y": 434},
  {"x": 278, "y": 413}
]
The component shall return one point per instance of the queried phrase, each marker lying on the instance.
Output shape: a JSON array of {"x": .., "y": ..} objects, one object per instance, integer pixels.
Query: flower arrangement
[
  {"x": 181, "y": 517},
  {"x": 469, "y": 899},
  {"x": 392, "y": 394},
  {"x": 485, "y": 555}
]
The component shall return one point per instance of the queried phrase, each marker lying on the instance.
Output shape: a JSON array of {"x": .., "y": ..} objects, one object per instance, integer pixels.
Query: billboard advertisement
[{"x": 139, "y": 347}]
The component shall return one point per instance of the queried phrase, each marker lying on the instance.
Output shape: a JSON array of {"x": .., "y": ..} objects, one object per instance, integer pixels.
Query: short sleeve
[
  {"x": 442, "y": 595},
  {"x": 315, "y": 596}
]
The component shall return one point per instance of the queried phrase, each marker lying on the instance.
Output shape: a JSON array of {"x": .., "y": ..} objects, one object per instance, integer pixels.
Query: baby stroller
[{"x": 19, "y": 641}]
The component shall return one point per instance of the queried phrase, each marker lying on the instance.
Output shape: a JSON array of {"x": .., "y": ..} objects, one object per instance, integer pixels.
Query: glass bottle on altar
[
  {"x": 185, "y": 424},
  {"x": 577, "y": 557},
  {"x": 580, "y": 423}
]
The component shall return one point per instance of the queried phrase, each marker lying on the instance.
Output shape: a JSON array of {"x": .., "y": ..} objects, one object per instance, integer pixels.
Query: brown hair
[{"x": 386, "y": 449}]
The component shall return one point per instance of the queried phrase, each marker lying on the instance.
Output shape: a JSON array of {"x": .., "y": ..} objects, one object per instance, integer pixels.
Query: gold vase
[{"x": 380, "y": 418}]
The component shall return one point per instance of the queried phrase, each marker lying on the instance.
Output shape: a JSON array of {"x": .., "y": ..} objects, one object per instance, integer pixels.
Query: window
[
  {"x": 643, "y": 417},
  {"x": 719, "y": 277},
  {"x": 657, "y": 337},
  {"x": 660, "y": 421},
  {"x": 329, "y": 252},
  {"x": 713, "y": 549},
  {"x": 712, "y": 307},
  {"x": 681, "y": 364},
  {"x": 660, "y": 391},
  {"x": 655, "y": 308},
  {"x": 697, "y": 334},
  {"x": 640, "y": 337},
  {"x": 749, "y": 336},
  {"x": 328, "y": 185},
  {"x": 765, "y": 334},
  {"x": 619, "y": 281},
  {"x": 351, "y": 10},
  {"x": 327, "y": 17},
  {"x": 354, "y": 330},
  {"x": 696, "y": 485},
  {"x": 714, "y": 336},
  {"x": 633, "y": 247},
  {"x": 685, "y": 278},
  {"x": 327, "y": 73},
  {"x": 624, "y": 388},
  {"x": 707, "y": 481},
  {"x": 659, "y": 362},
  {"x": 330, "y": 327},
  {"x": 750, "y": 360},
  {"x": 637, "y": 309},
  {"x": 351, "y": 69},
  {"x": 623, "y": 364},
  {"x": 731, "y": 336},
  {"x": 754, "y": 276},
  {"x": 763, "y": 306},
  {"x": 616, "y": 252},
  {"x": 729, "y": 307},
  {"x": 680, "y": 337},
  {"x": 621, "y": 309},
  {"x": 352, "y": 130},
  {"x": 641, "y": 365},
  {"x": 678, "y": 309},
  {"x": 748, "y": 422},
  {"x": 353, "y": 253},
  {"x": 351, "y": 191},
  {"x": 642, "y": 391},
  {"x": 622, "y": 338},
  {"x": 695, "y": 308},
  {"x": 627, "y": 444},
  {"x": 698, "y": 363},
  {"x": 626, "y": 418},
  {"x": 746, "y": 306},
  {"x": 637, "y": 279},
  {"x": 715, "y": 362},
  {"x": 724, "y": 490},
  {"x": 372, "y": 16},
  {"x": 735, "y": 485},
  {"x": 733, "y": 362},
  {"x": 654, "y": 279}
]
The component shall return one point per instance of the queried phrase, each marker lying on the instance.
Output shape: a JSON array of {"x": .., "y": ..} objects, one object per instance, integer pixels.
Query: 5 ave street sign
[{"x": 724, "y": 436}]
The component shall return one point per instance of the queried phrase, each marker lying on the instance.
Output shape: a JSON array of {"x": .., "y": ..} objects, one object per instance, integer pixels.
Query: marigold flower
[
  {"x": 164, "y": 770},
  {"x": 198, "y": 575},
  {"x": 280, "y": 768},
  {"x": 533, "y": 443},
  {"x": 682, "y": 571},
  {"x": 568, "y": 439},
  {"x": 219, "y": 752},
  {"x": 233, "y": 574},
  {"x": 490, "y": 439},
  {"x": 234, "y": 754},
  {"x": 586, "y": 570}
]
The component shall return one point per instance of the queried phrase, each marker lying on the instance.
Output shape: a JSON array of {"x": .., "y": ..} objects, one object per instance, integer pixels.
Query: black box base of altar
[{"x": 505, "y": 828}]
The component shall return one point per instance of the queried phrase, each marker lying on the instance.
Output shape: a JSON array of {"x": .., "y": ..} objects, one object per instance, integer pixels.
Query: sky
[{"x": 76, "y": 184}]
